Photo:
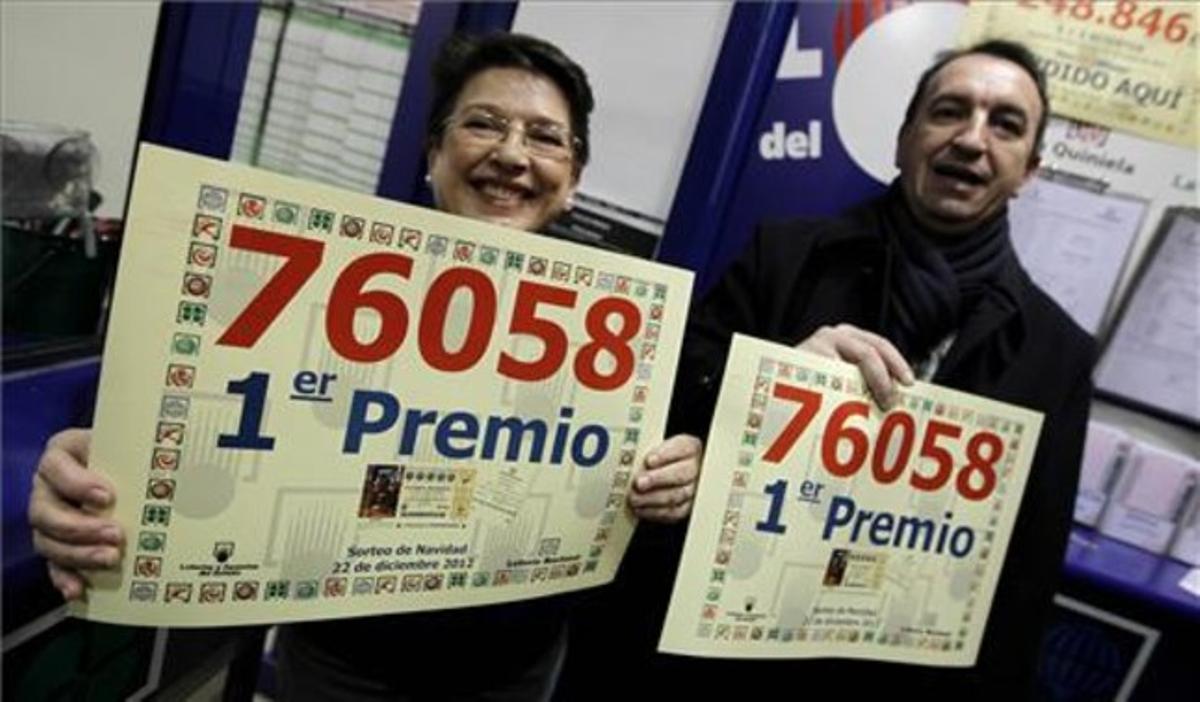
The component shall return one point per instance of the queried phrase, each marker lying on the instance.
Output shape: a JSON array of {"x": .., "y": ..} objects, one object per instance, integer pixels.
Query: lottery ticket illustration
[
  {"x": 319, "y": 404},
  {"x": 823, "y": 527}
]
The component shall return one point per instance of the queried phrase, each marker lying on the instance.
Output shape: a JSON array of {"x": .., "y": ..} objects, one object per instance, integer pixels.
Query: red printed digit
[
  {"x": 348, "y": 297},
  {"x": 1082, "y": 10},
  {"x": 1122, "y": 16},
  {"x": 526, "y": 321},
  {"x": 303, "y": 258},
  {"x": 1151, "y": 21},
  {"x": 810, "y": 403},
  {"x": 930, "y": 449},
  {"x": 978, "y": 464},
  {"x": 1177, "y": 29},
  {"x": 836, "y": 432},
  {"x": 907, "y": 426},
  {"x": 431, "y": 332},
  {"x": 603, "y": 339}
]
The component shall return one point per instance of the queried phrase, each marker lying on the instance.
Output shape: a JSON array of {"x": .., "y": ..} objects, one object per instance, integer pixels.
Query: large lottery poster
[
  {"x": 823, "y": 527},
  {"x": 1124, "y": 64},
  {"x": 318, "y": 404}
]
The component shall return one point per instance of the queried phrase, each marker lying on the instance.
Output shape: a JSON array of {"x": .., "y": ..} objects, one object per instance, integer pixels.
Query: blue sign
[{"x": 828, "y": 128}]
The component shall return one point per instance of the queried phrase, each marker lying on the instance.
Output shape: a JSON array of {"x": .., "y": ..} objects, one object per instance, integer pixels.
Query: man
[{"x": 923, "y": 278}]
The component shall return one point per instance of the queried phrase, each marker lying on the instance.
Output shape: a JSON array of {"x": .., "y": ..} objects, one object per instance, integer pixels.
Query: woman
[{"x": 507, "y": 139}]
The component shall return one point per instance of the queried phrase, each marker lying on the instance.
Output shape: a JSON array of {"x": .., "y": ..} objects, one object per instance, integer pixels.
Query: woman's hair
[{"x": 463, "y": 56}]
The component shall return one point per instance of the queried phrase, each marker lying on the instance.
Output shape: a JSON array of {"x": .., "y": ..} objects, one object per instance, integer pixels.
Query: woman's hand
[
  {"x": 665, "y": 487},
  {"x": 879, "y": 361},
  {"x": 62, "y": 511}
]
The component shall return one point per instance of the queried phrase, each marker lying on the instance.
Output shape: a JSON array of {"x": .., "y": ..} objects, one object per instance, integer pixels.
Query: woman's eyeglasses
[{"x": 546, "y": 140}]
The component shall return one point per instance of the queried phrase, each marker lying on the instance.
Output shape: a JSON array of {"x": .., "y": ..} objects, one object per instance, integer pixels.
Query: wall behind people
[
  {"x": 81, "y": 64},
  {"x": 650, "y": 65}
]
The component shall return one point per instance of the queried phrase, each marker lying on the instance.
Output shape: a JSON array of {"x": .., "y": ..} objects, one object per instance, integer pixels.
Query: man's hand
[
  {"x": 875, "y": 356},
  {"x": 665, "y": 487},
  {"x": 62, "y": 508}
]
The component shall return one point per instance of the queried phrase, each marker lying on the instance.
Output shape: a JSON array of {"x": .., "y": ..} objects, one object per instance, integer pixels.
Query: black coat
[{"x": 796, "y": 277}]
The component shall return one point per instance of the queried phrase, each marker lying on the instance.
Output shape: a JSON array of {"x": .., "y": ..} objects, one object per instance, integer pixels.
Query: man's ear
[{"x": 1031, "y": 169}]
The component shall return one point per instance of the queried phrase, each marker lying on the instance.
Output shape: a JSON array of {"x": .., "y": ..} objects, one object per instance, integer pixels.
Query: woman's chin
[{"x": 512, "y": 220}]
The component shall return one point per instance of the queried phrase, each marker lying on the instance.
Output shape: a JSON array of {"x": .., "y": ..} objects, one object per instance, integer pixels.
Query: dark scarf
[{"x": 936, "y": 281}]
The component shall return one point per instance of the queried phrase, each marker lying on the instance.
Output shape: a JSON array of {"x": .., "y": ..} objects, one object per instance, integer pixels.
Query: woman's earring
[{"x": 428, "y": 181}]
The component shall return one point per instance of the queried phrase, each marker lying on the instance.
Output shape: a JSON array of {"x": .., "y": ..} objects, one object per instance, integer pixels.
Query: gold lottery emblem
[
  {"x": 178, "y": 592},
  {"x": 206, "y": 227},
  {"x": 180, "y": 375},
  {"x": 353, "y": 227},
  {"x": 381, "y": 233},
  {"x": 196, "y": 285},
  {"x": 211, "y": 593},
  {"x": 147, "y": 567},
  {"x": 245, "y": 590},
  {"x": 410, "y": 239},
  {"x": 169, "y": 433},
  {"x": 161, "y": 489},
  {"x": 252, "y": 206},
  {"x": 335, "y": 587},
  {"x": 165, "y": 459},
  {"x": 202, "y": 255}
]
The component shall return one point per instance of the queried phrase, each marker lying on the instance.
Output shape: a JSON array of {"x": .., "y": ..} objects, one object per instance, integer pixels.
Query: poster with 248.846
[
  {"x": 316, "y": 403},
  {"x": 824, "y": 527}
]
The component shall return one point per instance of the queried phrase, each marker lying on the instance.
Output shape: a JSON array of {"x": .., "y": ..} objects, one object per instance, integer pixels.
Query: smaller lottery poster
[
  {"x": 315, "y": 403},
  {"x": 824, "y": 527}
]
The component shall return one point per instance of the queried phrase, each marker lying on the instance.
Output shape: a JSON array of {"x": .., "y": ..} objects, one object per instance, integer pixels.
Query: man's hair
[
  {"x": 463, "y": 56},
  {"x": 1009, "y": 51}
]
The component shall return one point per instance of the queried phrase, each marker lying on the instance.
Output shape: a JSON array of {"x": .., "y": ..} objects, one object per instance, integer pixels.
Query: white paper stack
[
  {"x": 1186, "y": 546},
  {"x": 1153, "y": 497},
  {"x": 1105, "y": 453}
]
